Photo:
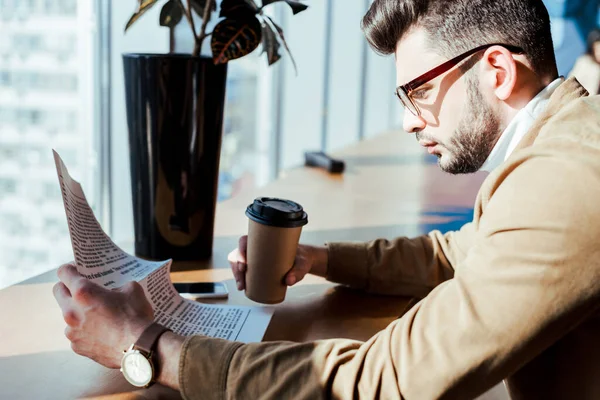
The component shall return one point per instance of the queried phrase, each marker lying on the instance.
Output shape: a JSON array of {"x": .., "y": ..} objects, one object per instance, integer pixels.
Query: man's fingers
[
  {"x": 238, "y": 268},
  {"x": 233, "y": 263},
  {"x": 81, "y": 289},
  {"x": 62, "y": 295},
  {"x": 66, "y": 304},
  {"x": 242, "y": 268},
  {"x": 68, "y": 274},
  {"x": 241, "y": 277},
  {"x": 242, "y": 246},
  {"x": 132, "y": 288},
  {"x": 70, "y": 333}
]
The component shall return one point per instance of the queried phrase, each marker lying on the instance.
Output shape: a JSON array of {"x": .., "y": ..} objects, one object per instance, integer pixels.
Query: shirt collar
[{"x": 518, "y": 127}]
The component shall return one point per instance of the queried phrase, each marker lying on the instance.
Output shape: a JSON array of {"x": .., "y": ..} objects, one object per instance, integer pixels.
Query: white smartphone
[{"x": 202, "y": 290}]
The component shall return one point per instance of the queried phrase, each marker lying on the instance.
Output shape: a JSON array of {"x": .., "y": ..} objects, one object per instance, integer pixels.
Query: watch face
[{"x": 136, "y": 368}]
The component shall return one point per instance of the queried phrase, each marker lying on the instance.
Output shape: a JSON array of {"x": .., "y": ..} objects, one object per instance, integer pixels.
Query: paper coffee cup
[{"x": 274, "y": 229}]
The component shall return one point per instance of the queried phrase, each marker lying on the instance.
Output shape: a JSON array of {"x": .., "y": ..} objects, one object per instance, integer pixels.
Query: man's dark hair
[{"x": 456, "y": 26}]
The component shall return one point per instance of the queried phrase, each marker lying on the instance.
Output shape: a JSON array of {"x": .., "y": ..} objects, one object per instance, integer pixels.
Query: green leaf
[
  {"x": 144, "y": 6},
  {"x": 199, "y": 5},
  {"x": 234, "y": 38},
  {"x": 238, "y": 9},
  {"x": 282, "y": 38},
  {"x": 296, "y": 6},
  {"x": 270, "y": 44},
  {"x": 171, "y": 14}
]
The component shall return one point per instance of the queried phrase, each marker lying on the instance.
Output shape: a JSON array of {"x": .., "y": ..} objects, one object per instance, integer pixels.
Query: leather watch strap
[{"x": 149, "y": 337}]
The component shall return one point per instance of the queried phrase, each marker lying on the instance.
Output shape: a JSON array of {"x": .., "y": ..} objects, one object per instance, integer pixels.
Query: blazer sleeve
[
  {"x": 403, "y": 266},
  {"x": 531, "y": 276}
]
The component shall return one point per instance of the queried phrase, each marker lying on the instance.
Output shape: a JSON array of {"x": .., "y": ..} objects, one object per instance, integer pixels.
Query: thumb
[
  {"x": 299, "y": 270},
  {"x": 131, "y": 288}
]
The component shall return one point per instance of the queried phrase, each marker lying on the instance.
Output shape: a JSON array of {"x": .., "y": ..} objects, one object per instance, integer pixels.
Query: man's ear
[{"x": 499, "y": 71}]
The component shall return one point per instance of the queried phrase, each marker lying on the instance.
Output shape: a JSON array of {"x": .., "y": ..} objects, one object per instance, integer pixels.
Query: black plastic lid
[{"x": 277, "y": 212}]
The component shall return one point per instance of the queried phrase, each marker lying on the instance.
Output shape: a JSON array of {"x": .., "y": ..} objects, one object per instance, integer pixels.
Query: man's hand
[
  {"x": 101, "y": 323},
  {"x": 309, "y": 259}
]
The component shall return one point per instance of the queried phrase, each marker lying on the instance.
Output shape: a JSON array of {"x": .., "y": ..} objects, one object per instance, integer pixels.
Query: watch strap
[{"x": 149, "y": 337}]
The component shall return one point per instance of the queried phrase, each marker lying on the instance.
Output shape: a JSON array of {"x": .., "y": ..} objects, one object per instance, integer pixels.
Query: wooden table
[{"x": 390, "y": 188}]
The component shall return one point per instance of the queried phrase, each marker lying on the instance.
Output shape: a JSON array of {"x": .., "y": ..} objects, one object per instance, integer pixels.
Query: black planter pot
[{"x": 175, "y": 116}]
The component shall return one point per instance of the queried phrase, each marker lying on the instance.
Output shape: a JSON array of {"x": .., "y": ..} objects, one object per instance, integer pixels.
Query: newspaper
[{"x": 100, "y": 260}]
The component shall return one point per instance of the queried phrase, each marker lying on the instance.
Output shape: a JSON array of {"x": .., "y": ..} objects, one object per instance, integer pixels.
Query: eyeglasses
[{"x": 403, "y": 92}]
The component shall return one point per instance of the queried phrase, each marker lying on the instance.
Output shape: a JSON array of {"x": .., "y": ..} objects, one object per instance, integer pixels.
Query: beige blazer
[{"x": 513, "y": 295}]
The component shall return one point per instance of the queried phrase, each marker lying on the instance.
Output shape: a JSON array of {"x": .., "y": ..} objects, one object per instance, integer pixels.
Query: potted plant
[{"x": 175, "y": 105}]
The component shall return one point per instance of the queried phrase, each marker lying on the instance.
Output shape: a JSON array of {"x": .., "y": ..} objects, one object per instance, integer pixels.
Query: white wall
[
  {"x": 302, "y": 95},
  {"x": 307, "y": 109},
  {"x": 346, "y": 58},
  {"x": 381, "y": 105}
]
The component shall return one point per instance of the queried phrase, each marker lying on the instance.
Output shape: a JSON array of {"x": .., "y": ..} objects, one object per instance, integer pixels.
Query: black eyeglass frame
[{"x": 406, "y": 89}]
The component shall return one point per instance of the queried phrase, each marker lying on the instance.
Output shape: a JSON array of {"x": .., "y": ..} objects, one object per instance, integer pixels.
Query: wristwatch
[{"x": 137, "y": 365}]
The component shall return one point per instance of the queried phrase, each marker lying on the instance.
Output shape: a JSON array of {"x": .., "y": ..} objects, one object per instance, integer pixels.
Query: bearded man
[{"x": 513, "y": 295}]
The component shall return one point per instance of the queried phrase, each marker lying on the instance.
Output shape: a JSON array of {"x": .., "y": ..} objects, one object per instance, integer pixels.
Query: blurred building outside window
[
  {"x": 45, "y": 103},
  {"x": 49, "y": 95}
]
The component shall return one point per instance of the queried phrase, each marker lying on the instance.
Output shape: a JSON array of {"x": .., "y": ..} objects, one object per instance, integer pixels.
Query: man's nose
[{"x": 412, "y": 123}]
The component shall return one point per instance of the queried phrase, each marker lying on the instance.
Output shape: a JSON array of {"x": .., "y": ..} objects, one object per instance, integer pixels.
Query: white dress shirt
[{"x": 519, "y": 126}]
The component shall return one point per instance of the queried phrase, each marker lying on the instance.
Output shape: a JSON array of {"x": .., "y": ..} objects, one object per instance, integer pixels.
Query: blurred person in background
[{"x": 587, "y": 67}]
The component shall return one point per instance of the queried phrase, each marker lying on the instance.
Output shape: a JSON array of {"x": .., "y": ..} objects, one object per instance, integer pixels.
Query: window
[
  {"x": 240, "y": 157},
  {"x": 44, "y": 97},
  {"x": 61, "y": 87},
  {"x": 49, "y": 95}
]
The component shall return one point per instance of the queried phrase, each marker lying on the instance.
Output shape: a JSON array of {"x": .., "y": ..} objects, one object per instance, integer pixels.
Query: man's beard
[{"x": 473, "y": 141}]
